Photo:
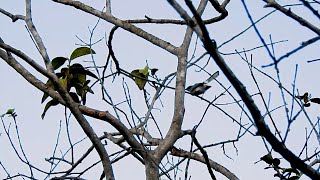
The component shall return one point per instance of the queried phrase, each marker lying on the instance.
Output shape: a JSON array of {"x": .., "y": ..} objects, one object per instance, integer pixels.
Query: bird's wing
[
  {"x": 191, "y": 88},
  {"x": 212, "y": 77}
]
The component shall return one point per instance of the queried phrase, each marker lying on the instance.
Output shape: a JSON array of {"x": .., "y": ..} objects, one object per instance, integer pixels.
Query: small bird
[{"x": 200, "y": 88}]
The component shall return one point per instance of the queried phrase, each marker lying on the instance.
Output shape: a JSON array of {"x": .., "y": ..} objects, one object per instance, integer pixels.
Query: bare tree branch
[
  {"x": 214, "y": 165},
  {"x": 14, "y": 18},
  {"x": 263, "y": 129},
  {"x": 123, "y": 24},
  {"x": 37, "y": 37},
  {"x": 289, "y": 13}
]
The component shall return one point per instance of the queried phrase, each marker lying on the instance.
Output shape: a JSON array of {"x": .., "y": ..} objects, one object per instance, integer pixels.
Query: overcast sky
[{"x": 59, "y": 25}]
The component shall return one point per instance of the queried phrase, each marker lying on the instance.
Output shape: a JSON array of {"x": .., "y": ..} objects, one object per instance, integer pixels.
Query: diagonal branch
[
  {"x": 68, "y": 102},
  {"x": 37, "y": 37},
  {"x": 214, "y": 165},
  {"x": 204, "y": 153},
  {"x": 23, "y": 56},
  {"x": 289, "y": 13},
  {"x": 220, "y": 8},
  {"x": 123, "y": 24},
  {"x": 263, "y": 129},
  {"x": 14, "y": 18},
  {"x": 101, "y": 115}
]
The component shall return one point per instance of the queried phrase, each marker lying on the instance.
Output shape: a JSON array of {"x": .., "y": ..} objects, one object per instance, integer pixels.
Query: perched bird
[{"x": 200, "y": 88}]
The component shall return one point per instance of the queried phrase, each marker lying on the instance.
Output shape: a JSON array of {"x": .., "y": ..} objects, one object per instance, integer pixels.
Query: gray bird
[{"x": 200, "y": 88}]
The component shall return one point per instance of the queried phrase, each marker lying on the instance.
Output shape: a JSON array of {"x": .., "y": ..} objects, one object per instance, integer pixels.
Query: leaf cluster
[
  {"x": 71, "y": 76},
  {"x": 140, "y": 76}
]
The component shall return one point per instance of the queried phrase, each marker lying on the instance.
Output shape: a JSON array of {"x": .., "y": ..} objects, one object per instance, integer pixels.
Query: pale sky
[{"x": 59, "y": 25}]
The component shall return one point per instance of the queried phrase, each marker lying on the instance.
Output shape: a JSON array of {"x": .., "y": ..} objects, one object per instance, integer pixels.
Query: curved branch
[
  {"x": 214, "y": 165},
  {"x": 101, "y": 115},
  {"x": 14, "y": 18},
  {"x": 289, "y": 13},
  {"x": 123, "y": 24},
  {"x": 204, "y": 153},
  {"x": 68, "y": 101},
  {"x": 65, "y": 99},
  {"x": 23, "y": 56},
  {"x": 220, "y": 8}
]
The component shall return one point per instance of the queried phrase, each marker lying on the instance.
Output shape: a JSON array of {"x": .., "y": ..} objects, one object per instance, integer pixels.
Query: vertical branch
[
  {"x": 20, "y": 144},
  {"x": 52, "y": 167},
  {"x": 37, "y": 37},
  {"x": 108, "y": 7},
  {"x": 179, "y": 110},
  {"x": 204, "y": 153},
  {"x": 67, "y": 119},
  {"x": 5, "y": 170},
  {"x": 74, "y": 107}
]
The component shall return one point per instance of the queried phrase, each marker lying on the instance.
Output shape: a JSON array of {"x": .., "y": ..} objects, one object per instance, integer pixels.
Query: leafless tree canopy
[{"x": 136, "y": 101}]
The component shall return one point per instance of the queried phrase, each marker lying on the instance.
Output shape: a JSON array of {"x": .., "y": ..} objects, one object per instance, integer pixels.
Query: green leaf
[
  {"x": 81, "y": 51},
  {"x": 48, "y": 105},
  {"x": 89, "y": 73},
  {"x": 84, "y": 98},
  {"x": 64, "y": 83},
  {"x": 79, "y": 69},
  {"x": 144, "y": 71},
  {"x": 10, "y": 111},
  {"x": 88, "y": 89},
  {"x": 77, "y": 75},
  {"x": 45, "y": 95},
  {"x": 64, "y": 72},
  {"x": 80, "y": 90},
  {"x": 76, "y": 68},
  {"x": 58, "y": 62},
  {"x": 78, "y": 80},
  {"x": 141, "y": 82},
  {"x": 134, "y": 73}
]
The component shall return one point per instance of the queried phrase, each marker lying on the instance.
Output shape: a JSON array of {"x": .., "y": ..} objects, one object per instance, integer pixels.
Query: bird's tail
[{"x": 212, "y": 77}]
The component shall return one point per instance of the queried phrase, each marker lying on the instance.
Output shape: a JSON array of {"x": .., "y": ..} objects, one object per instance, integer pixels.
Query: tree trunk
[{"x": 152, "y": 170}]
